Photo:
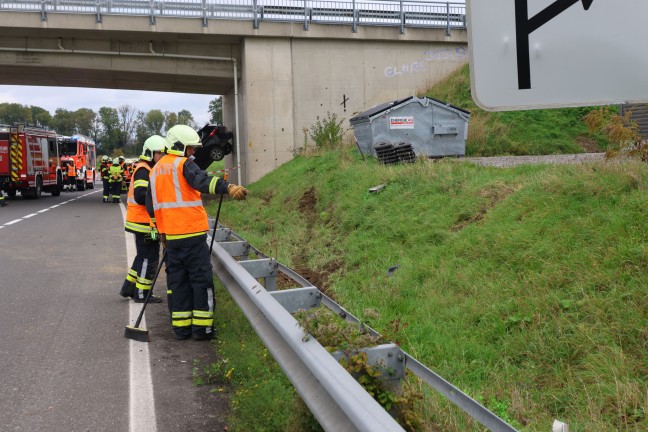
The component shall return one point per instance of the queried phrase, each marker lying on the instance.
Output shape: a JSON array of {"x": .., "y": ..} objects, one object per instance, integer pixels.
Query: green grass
[
  {"x": 525, "y": 287},
  {"x": 533, "y": 132}
]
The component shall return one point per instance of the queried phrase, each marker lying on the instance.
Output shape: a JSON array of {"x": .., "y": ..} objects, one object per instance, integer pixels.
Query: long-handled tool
[
  {"x": 215, "y": 224},
  {"x": 135, "y": 332}
]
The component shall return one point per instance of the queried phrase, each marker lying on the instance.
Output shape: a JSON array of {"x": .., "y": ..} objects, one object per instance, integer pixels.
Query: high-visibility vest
[
  {"x": 71, "y": 172},
  {"x": 178, "y": 207},
  {"x": 104, "y": 171},
  {"x": 115, "y": 173},
  {"x": 137, "y": 212}
]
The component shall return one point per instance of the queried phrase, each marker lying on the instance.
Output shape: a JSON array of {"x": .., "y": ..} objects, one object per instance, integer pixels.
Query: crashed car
[{"x": 216, "y": 144}]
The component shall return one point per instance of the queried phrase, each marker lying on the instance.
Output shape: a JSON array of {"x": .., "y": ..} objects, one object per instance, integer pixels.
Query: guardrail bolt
[
  {"x": 400, "y": 357},
  {"x": 343, "y": 314}
]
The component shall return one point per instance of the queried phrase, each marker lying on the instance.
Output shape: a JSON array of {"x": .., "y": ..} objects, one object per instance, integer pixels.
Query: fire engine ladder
[{"x": 335, "y": 398}]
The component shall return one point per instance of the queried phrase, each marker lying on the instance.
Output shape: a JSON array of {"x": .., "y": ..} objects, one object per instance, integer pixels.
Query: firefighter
[
  {"x": 3, "y": 201},
  {"x": 140, "y": 276},
  {"x": 71, "y": 176},
  {"x": 105, "y": 176},
  {"x": 124, "y": 167},
  {"x": 115, "y": 180},
  {"x": 173, "y": 201}
]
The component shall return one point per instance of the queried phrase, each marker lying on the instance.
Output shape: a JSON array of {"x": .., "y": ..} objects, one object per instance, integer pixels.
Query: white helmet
[
  {"x": 104, "y": 158},
  {"x": 155, "y": 143},
  {"x": 116, "y": 161},
  {"x": 179, "y": 137}
]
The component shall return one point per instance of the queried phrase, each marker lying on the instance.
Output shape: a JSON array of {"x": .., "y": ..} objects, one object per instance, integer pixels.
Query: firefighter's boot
[{"x": 128, "y": 289}]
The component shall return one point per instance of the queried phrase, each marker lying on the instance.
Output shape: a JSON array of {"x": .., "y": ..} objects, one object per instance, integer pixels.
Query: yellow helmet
[
  {"x": 179, "y": 137},
  {"x": 155, "y": 143}
]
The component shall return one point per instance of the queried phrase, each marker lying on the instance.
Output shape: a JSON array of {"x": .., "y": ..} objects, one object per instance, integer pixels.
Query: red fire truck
[
  {"x": 81, "y": 150},
  {"x": 29, "y": 161}
]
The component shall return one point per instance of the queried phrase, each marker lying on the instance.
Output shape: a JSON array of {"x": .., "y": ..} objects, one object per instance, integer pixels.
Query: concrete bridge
[{"x": 277, "y": 69}]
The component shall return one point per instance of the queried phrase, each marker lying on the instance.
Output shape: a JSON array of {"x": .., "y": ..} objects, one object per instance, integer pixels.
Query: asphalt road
[{"x": 64, "y": 363}]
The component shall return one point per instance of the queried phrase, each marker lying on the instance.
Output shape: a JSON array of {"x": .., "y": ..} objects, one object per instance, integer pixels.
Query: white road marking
[
  {"x": 54, "y": 206},
  {"x": 142, "y": 401},
  {"x": 13, "y": 222},
  {"x": 29, "y": 215}
]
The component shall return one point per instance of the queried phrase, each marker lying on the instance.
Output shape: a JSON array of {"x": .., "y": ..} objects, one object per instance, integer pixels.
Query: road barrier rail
[
  {"x": 395, "y": 13},
  {"x": 336, "y": 400}
]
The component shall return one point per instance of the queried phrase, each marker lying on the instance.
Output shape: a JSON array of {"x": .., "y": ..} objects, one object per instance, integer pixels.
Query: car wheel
[{"x": 216, "y": 153}]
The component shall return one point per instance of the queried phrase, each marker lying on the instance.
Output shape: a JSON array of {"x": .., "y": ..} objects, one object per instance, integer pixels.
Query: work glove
[
  {"x": 154, "y": 235},
  {"x": 163, "y": 240},
  {"x": 237, "y": 192}
]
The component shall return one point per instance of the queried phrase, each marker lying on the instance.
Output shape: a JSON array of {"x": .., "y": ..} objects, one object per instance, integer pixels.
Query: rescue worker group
[{"x": 164, "y": 208}]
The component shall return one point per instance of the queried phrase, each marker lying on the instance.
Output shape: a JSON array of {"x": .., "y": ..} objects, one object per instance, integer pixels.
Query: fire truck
[
  {"x": 81, "y": 151},
  {"x": 29, "y": 161}
]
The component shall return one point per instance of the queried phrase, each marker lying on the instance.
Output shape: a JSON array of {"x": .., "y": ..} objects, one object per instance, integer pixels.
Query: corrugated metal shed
[{"x": 432, "y": 127}]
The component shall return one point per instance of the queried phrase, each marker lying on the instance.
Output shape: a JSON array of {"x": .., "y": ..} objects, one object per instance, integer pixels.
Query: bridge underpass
[{"x": 286, "y": 75}]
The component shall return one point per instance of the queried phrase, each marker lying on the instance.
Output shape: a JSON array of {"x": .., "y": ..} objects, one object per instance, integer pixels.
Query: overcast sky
[{"x": 71, "y": 99}]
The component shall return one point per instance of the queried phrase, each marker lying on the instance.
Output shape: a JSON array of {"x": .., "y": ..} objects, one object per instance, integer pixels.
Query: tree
[
  {"x": 84, "y": 120},
  {"x": 110, "y": 128},
  {"x": 185, "y": 118},
  {"x": 216, "y": 110},
  {"x": 64, "y": 122},
  {"x": 153, "y": 122},
  {"x": 127, "y": 125},
  {"x": 41, "y": 116},
  {"x": 11, "y": 113},
  {"x": 171, "y": 119}
]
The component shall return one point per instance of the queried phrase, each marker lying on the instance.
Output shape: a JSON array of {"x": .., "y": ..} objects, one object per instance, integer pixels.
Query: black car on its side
[{"x": 216, "y": 144}]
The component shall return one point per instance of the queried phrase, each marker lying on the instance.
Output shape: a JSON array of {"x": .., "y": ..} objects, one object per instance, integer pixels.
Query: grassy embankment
[{"x": 525, "y": 287}]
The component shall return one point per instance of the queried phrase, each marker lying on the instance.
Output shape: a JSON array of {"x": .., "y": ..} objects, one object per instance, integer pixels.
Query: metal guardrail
[
  {"x": 337, "y": 401},
  {"x": 394, "y": 13}
]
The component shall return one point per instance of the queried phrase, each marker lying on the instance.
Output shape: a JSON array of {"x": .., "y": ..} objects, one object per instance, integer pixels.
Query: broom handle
[
  {"x": 148, "y": 295},
  {"x": 215, "y": 224}
]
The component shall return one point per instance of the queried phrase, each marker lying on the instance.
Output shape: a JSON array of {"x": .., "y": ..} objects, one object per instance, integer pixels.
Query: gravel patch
[{"x": 509, "y": 161}]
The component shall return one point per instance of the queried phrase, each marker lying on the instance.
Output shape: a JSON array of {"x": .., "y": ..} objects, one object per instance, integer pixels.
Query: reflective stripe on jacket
[
  {"x": 178, "y": 207},
  {"x": 137, "y": 212}
]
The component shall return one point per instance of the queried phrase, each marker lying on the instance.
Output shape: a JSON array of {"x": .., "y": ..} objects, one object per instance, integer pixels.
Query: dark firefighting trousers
[
  {"x": 190, "y": 280},
  {"x": 106, "y": 190},
  {"x": 115, "y": 190},
  {"x": 140, "y": 276}
]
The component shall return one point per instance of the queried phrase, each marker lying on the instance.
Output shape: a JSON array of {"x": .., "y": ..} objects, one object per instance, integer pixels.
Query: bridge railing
[{"x": 394, "y": 13}]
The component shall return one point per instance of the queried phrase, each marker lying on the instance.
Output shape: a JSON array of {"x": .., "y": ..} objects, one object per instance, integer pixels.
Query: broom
[{"x": 135, "y": 332}]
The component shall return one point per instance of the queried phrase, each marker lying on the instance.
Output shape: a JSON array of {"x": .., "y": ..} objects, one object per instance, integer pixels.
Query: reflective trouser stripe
[
  {"x": 143, "y": 284},
  {"x": 131, "y": 276},
  {"x": 203, "y": 318},
  {"x": 181, "y": 319}
]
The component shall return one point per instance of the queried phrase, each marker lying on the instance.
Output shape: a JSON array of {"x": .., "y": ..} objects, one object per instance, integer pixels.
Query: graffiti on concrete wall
[{"x": 442, "y": 54}]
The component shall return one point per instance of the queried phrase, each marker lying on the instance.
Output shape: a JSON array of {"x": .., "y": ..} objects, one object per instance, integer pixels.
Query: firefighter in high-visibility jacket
[
  {"x": 140, "y": 276},
  {"x": 115, "y": 177},
  {"x": 71, "y": 176},
  {"x": 173, "y": 200},
  {"x": 105, "y": 176}
]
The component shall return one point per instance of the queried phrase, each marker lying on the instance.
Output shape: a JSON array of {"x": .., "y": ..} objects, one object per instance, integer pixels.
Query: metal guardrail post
[
  {"x": 306, "y": 15},
  {"x": 43, "y": 11},
  {"x": 402, "y": 18},
  {"x": 152, "y": 12},
  {"x": 204, "y": 13},
  {"x": 98, "y": 17},
  {"x": 447, "y": 19},
  {"x": 255, "y": 15},
  {"x": 354, "y": 26}
]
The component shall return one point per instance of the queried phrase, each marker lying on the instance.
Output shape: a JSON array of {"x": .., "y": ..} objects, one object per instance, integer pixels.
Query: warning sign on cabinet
[{"x": 401, "y": 122}]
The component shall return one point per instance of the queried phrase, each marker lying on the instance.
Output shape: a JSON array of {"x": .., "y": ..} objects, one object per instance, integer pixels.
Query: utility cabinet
[{"x": 432, "y": 127}]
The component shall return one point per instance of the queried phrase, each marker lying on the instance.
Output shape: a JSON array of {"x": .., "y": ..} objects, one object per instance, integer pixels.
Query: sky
[{"x": 71, "y": 99}]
